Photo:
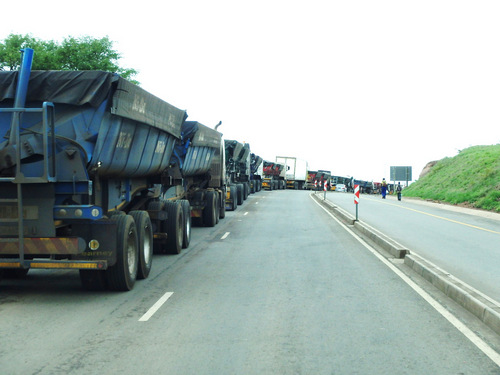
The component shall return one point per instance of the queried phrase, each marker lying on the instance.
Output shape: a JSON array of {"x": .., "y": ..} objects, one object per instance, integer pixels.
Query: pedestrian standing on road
[
  {"x": 398, "y": 190},
  {"x": 384, "y": 188}
]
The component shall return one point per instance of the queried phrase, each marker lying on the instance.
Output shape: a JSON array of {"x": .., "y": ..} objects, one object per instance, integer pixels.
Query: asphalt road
[
  {"x": 464, "y": 242},
  {"x": 278, "y": 287}
]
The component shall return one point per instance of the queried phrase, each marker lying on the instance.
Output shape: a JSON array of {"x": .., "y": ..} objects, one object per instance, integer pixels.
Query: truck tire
[
  {"x": 239, "y": 194},
  {"x": 174, "y": 227},
  {"x": 122, "y": 275},
  {"x": 217, "y": 207},
  {"x": 246, "y": 189},
  {"x": 145, "y": 242},
  {"x": 222, "y": 205},
  {"x": 186, "y": 209},
  {"x": 233, "y": 192},
  {"x": 210, "y": 211}
]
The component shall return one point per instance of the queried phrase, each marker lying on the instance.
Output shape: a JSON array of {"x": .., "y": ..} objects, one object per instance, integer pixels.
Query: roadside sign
[
  {"x": 356, "y": 199},
  {"x": 401, "y": 174}
]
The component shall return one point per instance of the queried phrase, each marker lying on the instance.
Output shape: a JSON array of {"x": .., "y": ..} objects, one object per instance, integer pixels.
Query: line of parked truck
[{"x": 96, "y": 174}]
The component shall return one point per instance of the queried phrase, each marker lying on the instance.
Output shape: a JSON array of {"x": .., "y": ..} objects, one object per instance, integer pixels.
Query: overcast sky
[{"x": 351, "y": 86}]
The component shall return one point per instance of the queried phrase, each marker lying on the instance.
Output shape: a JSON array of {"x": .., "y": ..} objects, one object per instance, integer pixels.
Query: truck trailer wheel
[
  {"x": 222, "y": 205},
  {"x": 210, "y": 211},
  {"x": 145, "y": 241},
  {"x": 217, "y": 207},
  {"x": 246, "y": 190},
  {"x": 186, "y": 208},
  {"x": 234, "y": 194},
  {"x": 122, "y": 275},
  {"x": 239, "y": 194},
  {"x": 174, "y": 227}
]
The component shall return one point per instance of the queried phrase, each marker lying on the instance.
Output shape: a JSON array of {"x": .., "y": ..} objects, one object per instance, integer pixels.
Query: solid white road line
[
  {"x": 225, "y": 236},
  {"x": 155, "y": 307},
  {"x": 476, "y": 340}
]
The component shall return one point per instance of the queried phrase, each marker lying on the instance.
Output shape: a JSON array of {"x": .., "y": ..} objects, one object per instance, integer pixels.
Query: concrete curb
[
  {"x": 364, "y": 230},
  {"x": 483, "y": 308},
  {"x": 392, "y": 247},
  {"x": 487, "y": 311}
]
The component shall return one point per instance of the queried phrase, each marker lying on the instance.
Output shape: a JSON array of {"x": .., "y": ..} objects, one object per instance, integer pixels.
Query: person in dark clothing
[{"x": 398, "y": 190}]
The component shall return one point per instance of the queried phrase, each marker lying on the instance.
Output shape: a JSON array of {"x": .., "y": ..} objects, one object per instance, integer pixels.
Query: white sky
[{"x": 350, "y": 86}]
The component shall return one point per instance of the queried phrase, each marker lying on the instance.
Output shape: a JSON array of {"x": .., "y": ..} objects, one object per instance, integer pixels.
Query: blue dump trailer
[
  {"x": 238, "y": 172},
  {"x": 199, "y": 166},
  {"x": 85, "y": 176}
]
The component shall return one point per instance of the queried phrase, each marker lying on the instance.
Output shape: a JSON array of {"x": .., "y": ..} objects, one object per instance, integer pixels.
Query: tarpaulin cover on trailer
[
  {"x": 233, "y": 149},
  {"x": 92, "y": 88},
  {"x": 201, "y": 135}
]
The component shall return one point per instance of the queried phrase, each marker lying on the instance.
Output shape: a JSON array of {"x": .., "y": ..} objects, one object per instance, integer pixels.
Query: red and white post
[{"x": 356, "y": 199}]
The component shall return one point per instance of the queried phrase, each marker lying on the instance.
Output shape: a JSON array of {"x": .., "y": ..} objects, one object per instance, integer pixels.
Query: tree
[{"x": 84, "y": 53}]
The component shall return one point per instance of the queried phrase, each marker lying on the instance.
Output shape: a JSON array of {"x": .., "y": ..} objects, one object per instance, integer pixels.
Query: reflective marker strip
[
  {"x": 52, "y": 245},
  {"x": 96, "y": 265}
]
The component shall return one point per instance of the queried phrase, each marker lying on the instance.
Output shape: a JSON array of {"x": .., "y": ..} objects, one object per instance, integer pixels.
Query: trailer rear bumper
[
  {"x": 92, "y": 246},
  {"x": 54, "y": 264}
]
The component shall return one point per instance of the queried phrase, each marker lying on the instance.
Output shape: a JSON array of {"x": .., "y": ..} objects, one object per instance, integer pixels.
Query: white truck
[{"x": 295, "y": 171}]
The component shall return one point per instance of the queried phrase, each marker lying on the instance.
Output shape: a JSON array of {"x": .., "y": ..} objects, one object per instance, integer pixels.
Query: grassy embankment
[{"x": 472, "y": 178}]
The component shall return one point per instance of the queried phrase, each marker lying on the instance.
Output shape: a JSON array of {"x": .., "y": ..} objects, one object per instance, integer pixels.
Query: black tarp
[
  {"x": 67, "y": 87},
  {"x": 200, "y": 135},
  {"x": 233, "y": 149},
  {"x": 92, "y": 88}
]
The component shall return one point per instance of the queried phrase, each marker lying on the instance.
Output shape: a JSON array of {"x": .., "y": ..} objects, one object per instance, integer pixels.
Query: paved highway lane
[
  {"x": 278, "y": 287},
  {"x": 464, "y": 242}
]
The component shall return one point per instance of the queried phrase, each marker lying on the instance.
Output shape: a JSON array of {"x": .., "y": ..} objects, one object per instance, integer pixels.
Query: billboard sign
[{"x": 401, "y": 174}]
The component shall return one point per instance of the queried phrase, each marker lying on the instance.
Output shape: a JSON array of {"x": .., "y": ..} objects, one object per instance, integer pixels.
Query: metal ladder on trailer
[
  {"x": 48, "y": 171},
  {"x": 48, "y": 150}
]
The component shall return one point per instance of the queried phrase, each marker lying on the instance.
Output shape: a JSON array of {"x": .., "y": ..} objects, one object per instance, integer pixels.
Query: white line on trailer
[
  {"x": 155, "y": 307},
  {"x": 225, "y": 236}
]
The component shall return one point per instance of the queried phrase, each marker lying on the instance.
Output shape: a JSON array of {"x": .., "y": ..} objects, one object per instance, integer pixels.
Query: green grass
[{"x": 471, "y": 178}]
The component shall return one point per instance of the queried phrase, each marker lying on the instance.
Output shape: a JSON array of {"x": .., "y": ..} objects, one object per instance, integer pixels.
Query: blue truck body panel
[{"x": 120, "y": 135}]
